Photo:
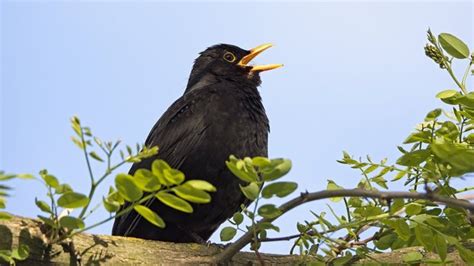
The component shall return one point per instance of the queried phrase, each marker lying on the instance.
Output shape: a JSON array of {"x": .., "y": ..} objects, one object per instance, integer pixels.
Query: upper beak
[{"x": 253, "y": 53}]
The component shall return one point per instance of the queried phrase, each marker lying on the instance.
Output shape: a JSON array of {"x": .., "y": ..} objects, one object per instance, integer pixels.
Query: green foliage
[
  {"x": 161, "y": 182},
  {"x": 439, "y": 150}
]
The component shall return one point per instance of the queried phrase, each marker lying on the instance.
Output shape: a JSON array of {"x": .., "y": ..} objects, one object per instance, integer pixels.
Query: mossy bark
[{"x": 105, "y": 249}]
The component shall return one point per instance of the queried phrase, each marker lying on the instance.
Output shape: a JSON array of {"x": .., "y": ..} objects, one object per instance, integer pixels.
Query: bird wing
[{"x": 176, "y": 133}]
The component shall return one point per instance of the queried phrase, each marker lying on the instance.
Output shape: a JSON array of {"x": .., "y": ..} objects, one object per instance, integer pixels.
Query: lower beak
[{"x": 253, "y": 53}]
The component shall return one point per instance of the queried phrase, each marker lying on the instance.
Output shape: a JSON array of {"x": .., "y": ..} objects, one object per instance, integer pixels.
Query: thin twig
[{"x": 231, "y": 250}]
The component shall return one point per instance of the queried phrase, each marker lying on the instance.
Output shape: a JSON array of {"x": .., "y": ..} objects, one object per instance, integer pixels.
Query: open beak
[{"x": 253, "y": 53}]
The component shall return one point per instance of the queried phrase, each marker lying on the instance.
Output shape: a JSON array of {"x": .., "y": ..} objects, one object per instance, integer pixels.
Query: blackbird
[{"x": 220, "y": 113}]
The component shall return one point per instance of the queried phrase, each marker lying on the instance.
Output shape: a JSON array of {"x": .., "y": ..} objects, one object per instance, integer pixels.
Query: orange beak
[{"x": 253, "y": 53}]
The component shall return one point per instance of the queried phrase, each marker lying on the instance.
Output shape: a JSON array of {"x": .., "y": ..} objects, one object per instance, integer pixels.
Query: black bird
[{"x": 220, "y": 113}]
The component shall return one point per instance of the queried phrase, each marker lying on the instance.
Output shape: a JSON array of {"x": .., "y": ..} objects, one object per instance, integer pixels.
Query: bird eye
[{"x": 229, "y": 57}]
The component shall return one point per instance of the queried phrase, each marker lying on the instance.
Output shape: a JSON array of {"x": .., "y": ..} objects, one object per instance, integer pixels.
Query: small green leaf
[
  {"x": 110, "y": 206},
  {"x": 63, "y": 188},
  {"x": 250, "y": 191},
  {"x": 433, "y": 114},
  {"x": 71, "y": 223},
  {"x": 453, "y": 45},
  {"x": 43, "y": 206},
  {"x": 402, "y": 229},
  {"x": 227, "y": 233},
  {"x": 173, "y": 176},
  {"x": 413, "y": 209},
  {"x": 413, "y": 158},
  {"x": 191, "y": 194},
  {"x": 446, "y": 94},
  {"x": 150, "y": 215},
  {"x": 157, "y": 167},
  {"x": 25, "y": 176},
  {"x": 51, "y": 180},
  {"x": 457, "y": 155},
  {"x": 127, "y": 187},
  {"x": 333, "y": 186},
  {"x": 441, "y": 246},
  {"x": 95, "y": 156},
  {"x": 239, "y": 170},
  {"x": 269, "y": 211},
  {"x": 412, "y": 257},
  {"x": 201, "y": 185},
  {"x": 424, "y": 236},
  {"x": 279, "y": 189},
  {"x": 397, "y": 205},
  {"x": 238, "y": 218},
  {"x": 466, "y": 254},
  {"x": 73, "y": 200},
  {"x": 277, "y": 168},
  {"x": 174, "y": 202},
  {"x": 146, "y": 180},
  {"x": 261, "y": 161}
]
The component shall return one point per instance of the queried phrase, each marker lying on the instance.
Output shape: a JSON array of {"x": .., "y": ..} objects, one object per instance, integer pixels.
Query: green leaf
[
  {"x": 277, "y": 168},
  {"x": 51, "y": 180},
  {"x": 243, "y": 173},
  {"x": 25, "y": 176},
  {"x": 269, "y": 211},
  {"x": 446, "y": 94},
  {"x": 467, "y": 255},
  {"x": 73, "y": 200},
  {"x": 424, "y": 236},
  {"x": 441, "y": 246},
  {"x": 238, "y": 218},
  {"x": 43, "y": 206},
  {"x": 174, "y": 202},
  {"x": 21, "y": 253},
  {"x": 71, "y": 223},
  {"x": 173, "y": 176},
  {"x": 385, "y": 241},
  {"x": 201, "y": 185},
  {"x": 411, "y": 257},
  {"x": 5, "y": 216},
  {"x": 413, "y": 209},
  {"x": 95, "y": 156},
  {"x": 227, "y": 233},
  {"x": 333, "y": 186},
  {"x": 261, "y": 161},
  {"x": 157, "y": 167},
  {"x": 150, "y": 215},
  {"x": 402, "y": 229},
  {"x": 63, "y": 188},
  {"x": 457, "y": 155},
  {"x": 433, "y": 114},
  {"x": 413, "y": 158},
  {"x": 250, "y": 191},
  {"x": 279, "y": 189},
  {"x": 191, "y": 194},
  {"x": 453, "y": 45},
  {"x": 110, "y": 205},
  {"x": 127, "y": 187},
  {"x": 146, "y": 180},
  {"x": 422, "y": 136}
]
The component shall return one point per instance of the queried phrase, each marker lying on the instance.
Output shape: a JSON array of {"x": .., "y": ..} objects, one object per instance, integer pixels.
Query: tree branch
[{"x": 324, "y": 194}]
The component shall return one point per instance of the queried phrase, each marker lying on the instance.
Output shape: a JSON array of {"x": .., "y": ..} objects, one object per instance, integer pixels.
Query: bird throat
[{"x": 200, "y": 82}]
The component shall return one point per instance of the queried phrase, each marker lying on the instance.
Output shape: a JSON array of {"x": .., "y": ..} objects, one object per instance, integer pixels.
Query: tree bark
[{"x": 104, "y": 249}]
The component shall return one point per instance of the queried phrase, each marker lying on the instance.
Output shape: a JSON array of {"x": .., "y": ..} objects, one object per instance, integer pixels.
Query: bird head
[{"x": 229, "y": 62}]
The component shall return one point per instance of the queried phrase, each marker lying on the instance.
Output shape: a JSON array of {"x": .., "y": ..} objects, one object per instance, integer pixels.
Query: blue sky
[{"x": 355, "y": 78}]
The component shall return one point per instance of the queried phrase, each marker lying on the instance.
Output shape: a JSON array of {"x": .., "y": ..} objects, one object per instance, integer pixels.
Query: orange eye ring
[{"x": 229, "y": 57}]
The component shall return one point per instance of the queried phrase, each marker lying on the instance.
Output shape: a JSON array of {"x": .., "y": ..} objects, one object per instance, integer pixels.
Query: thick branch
[{"x": 325, "y": 194}]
